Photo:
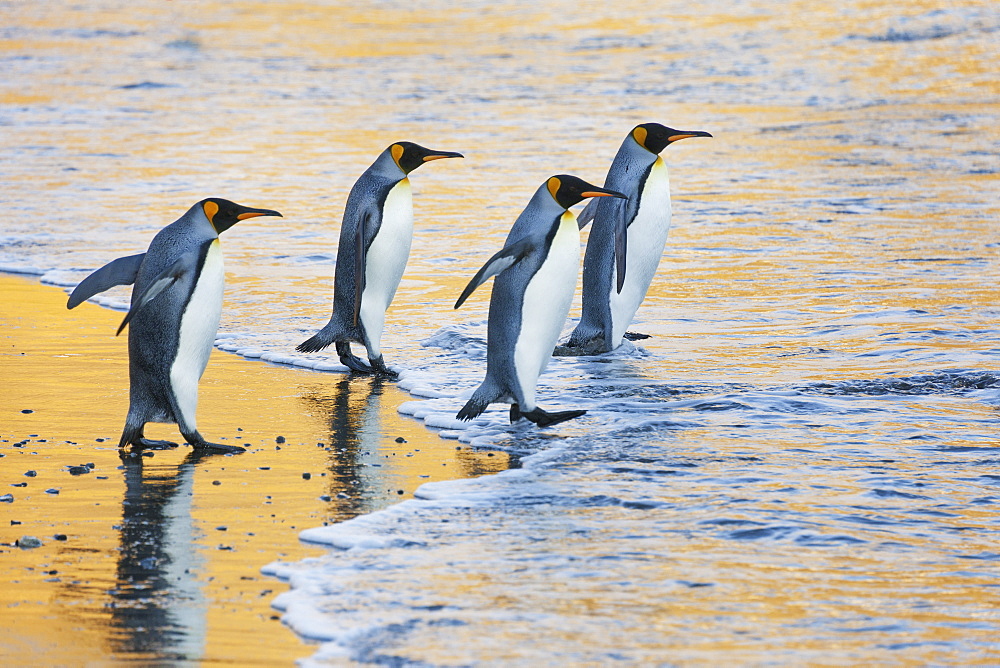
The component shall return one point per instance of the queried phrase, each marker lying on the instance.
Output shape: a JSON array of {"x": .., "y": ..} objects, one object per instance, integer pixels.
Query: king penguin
[
  {"x": 627, "y": 239},
  {"x": 535, "y": 278},
  {"x": 374, "y": 246},
  {"x": 174, "y": 317}
]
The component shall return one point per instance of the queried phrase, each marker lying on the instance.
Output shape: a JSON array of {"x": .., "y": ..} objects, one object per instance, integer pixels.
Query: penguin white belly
[
  {"x": 546, "y": 303},
  {"x": 647, "y": 235},
  {"x": 198, "y": 327},
  {"x": 386, "y": 260}
]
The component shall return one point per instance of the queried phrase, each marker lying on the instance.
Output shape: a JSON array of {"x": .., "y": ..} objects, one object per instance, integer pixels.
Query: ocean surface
[{"x": 800, "y": 465}]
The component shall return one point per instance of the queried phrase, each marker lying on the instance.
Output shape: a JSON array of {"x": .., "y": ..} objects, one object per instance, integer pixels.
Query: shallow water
[{"x": 799, "y": 466}]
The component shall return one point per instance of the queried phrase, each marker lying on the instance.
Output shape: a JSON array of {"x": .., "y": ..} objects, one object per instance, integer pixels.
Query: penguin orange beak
[
  {"x": 439, "y": 156},
  {"x": 686, "y": 134},
  {"x": 253, "y": 213},
  {"x": 603, "y": 193}
]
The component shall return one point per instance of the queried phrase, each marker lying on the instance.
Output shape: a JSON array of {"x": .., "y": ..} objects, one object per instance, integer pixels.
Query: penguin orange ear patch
[
  {"x": 211, "y": 208},
  {"x": 397, "y": 153},
  {"x": 554, "y": 184},
  {"x": 639, "y": 134}
]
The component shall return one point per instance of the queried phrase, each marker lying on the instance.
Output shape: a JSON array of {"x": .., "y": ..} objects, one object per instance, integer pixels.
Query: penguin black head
[
  {"x": 223, "y": 214},
  {"x": 409, "y": 156},
  {"x": 655, "y": 137},
  {"x": 568, "y": 190}
]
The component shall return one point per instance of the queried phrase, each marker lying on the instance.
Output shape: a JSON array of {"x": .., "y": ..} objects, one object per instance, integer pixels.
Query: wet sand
[{"x": 158, "y": 558}]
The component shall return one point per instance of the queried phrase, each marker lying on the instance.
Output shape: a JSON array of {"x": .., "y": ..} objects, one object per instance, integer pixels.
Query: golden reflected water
[{"x": 157, "y": 558}]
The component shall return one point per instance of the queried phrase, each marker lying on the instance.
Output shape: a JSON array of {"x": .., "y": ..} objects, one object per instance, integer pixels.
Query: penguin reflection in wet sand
[
  {"x": 627, "y": 239},
  {"x": 374, "y": 247},
  {"x": 174, "y": 317},
  {"x": 536, "y": 275}
]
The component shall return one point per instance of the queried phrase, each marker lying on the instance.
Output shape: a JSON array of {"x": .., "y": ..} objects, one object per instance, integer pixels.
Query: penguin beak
[
  {"x": 686, "y": 134},
  {"x": 601, "y": 192},
  {"x": 253, "y": 213},
  {"x": 438, "y": 155}
]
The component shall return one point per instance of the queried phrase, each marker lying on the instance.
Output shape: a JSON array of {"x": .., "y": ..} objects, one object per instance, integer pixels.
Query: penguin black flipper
[
  {"x": 501, "y": 261},
  {"x": 188, "y": 262},
  {"x": 588, "y": 214},
  {"x": 360, "y": 240},
  {"x": 117, "y": 272},
  {"x": 620, "y": 217}
]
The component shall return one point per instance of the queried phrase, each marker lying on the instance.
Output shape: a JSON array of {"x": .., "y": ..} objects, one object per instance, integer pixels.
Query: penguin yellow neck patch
[
  {"x": 210, "y": 208},
  {"x": 554, "y": 184}
]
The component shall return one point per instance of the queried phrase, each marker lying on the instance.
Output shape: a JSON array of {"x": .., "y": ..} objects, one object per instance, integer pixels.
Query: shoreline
[{"x": 171, "y": 541}]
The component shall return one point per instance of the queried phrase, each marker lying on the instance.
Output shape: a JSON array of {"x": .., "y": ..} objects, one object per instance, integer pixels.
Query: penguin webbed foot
[
  {"x": 636, "y": 336},
  {"x": 196, "y": 441},
  {"x": 542, "y": 418},
  {"x": 380, "y": 370},
  {"x": 153, "y": 444}
]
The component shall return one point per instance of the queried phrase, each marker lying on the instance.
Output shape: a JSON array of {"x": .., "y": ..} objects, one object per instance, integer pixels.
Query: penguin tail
[
  {"x": 472, "y": 409},
  {"x": 484, "y": 395},
  {"x": 317, "y": 342},
  {"x": 543, "y": 418}
]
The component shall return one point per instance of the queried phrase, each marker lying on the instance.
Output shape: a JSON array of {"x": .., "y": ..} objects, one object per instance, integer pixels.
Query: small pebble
[
  {"x": 222, "y": 528},
  {"x": 399, "y": 491},
  {"x": 7, "y": 498},
  {"x": 52, "y": 490},
  {"x": 91, "y": 465},
  {"x": 78, "y": 470},
  {"x": 100, "y": 440},
  {"x": 216, "y": 482},
  {"x": 279, "y": 439},
  {"x": 19, "y": 484},
  {"x": 264, "y": 468},
  {"x": 400, "y": 439},
  {"x": 27, "y": 542},
  {"x": 323, "y": 497},
  {"x": 59, "y": 536},
  {"x": 31, "y": 474},
  {"x": 15, "y": 522},
  {"x": 307, "y": 476},
  {"x": 27, "y": 410}
]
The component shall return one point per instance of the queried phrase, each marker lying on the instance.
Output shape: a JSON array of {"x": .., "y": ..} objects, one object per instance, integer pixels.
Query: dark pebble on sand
[
  {"x": 19, "y": 484},
  {"x": 216, "y": 482},
  {"x": 279, "y": 439},
  {"x": 264, "y": 468},
  {"x": 52, "y": 490},
  {"x": 27, "y": 542},
  {"x": 91, "y": 465},
  {"x": 15, "y": 522},
  {"x": 27, "y": 410},
  {"x": 59, "y": 536},
  {"x": 100, "y": 440},
  {"x": 31, "y": 474},
  {"x": 7, "y": 498},
  {"x": 225, "y": 547},
  {"x": 399, "y": 491},
  {"x": 306, "y": 476},
  {"x": 222, "y": 528},
  {"x": 78, "y": 470},
  {"x": 323, "y": 497},
  {"x": 400, "y": 439}
]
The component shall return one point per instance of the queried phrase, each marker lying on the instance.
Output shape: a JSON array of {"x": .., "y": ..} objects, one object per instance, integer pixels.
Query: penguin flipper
[
  {"x": 185, "y": 263},
  {"x": 621, "y": 240},
  {"x": 501, "y": 261},
  {"x": 544, "y": 418},
  {"x": 587, "y": 215},
  {"x": 360, "y": 262},
  {"x": 117, "y": 272}
]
